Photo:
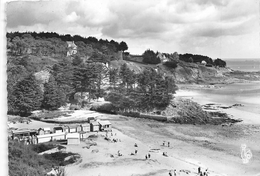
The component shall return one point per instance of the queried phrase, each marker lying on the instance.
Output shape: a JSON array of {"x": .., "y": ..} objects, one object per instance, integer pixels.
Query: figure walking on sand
[
  {"x": 149, "y": 156},
  {"x": 199, "y": 170},
  {"x": 168, "y": 144},
  {"x": 170, "y": 173},
  {"x": 135, "y": 151}
]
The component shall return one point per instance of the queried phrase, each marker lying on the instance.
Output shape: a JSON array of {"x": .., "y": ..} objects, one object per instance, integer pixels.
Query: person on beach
[
  {"x": 136, "y": 145},
  {"x": 199, "y": 170},
  {"x": 135, "y": 151},
  {"x": 165, "y": 154},
  {"x": 206, "y": 172},
  {"x": 168, "y": 144},
  {"x": 146, "y": 157},
  {"x": 174, "y": 172},
  {"x": 170, "y": 173},
  {"x": 163, "y": 143},
  {"x": 149, "y": 156}
]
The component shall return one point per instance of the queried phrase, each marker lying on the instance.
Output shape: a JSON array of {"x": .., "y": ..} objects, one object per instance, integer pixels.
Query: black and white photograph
[{"x": 130, "y": 87}]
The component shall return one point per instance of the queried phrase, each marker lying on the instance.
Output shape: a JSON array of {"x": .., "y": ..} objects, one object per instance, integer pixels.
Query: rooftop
[{"x": 104, "y": 122}]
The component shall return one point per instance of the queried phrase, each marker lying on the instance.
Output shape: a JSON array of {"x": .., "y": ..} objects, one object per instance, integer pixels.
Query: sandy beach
[{"x": 211, "y": 147}]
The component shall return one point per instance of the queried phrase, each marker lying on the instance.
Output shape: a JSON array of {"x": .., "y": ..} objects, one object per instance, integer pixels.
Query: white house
[
  {"x": 162, "y": 57},
  {"x": 72, "y": 48}
]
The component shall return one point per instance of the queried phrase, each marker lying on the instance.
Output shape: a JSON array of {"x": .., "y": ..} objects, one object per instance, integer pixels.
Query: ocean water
[{"x": 248, "y": 65}]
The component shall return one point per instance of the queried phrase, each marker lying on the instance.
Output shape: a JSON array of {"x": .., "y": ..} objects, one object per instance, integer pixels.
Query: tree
[
  {"x": 127, "y": 76},
  {"x": 123, "y": 46},
  {"x": 77, "y": 60},
  {"x": 27, "y": 96},
  {"x": 220, "y": 63},
  {"x": 171, "y": 64},
  {"x": 150, "y": 57},
  {"x": 113, "y": 77},
  {"x": 53, "y": 98},
  {"x": 63, "y": 75}
]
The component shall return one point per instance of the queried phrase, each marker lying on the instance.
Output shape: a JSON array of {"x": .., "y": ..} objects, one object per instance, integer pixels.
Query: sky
[{"x": 216, "y": 28}]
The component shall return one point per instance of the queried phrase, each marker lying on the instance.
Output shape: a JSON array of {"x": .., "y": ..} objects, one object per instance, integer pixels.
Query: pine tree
[
  {"x": 53, "y": 97},
  {"x": 27, "y": 96}
]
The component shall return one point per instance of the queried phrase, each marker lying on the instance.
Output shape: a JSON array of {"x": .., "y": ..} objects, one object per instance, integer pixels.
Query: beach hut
[
  {"x": 104, "y": 125},
  {"x": 40, "y": 131},
  {"x": 85, "y": 127},
  {"x": 72, "y": 128},
  {"x": 43, "y": 138},
  {"x": 73, "y": 138},
  {"x": 91, "y": 119},
  {"x": 66, "y": 129},
  {"x": 79, "y": 128},
  {"x": 47, "y": 130},
  {"x": 51, "y": 137},
  {"x": 58, "y": 129},
  {"x": 83, "y": 135},
  {"x": 58, "y": 136},
  {"x": 94, "y": 126}
]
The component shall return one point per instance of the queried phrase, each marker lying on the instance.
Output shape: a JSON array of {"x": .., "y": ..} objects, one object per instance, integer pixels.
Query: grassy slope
[{"x": 24, "y": 159}]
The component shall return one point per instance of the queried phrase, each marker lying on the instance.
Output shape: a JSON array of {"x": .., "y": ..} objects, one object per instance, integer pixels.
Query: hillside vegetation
[
  {"x": 25, "y": 159},
  {"x": 43, "y": 73}
]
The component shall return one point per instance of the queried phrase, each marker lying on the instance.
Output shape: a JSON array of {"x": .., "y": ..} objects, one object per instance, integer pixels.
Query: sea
[{"x": 248, "y": 65}]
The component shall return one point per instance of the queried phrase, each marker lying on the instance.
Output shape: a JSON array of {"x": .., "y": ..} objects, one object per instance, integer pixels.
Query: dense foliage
[
  {"x": 24, "y": 159},
  {"x": 49, "y": 43},
  {"x": 170, "y": 64},
  {"x": 220, "y": 63},
  {"x": 150, "y": 57},
  {"x": 53, "y": 97},
  {"x": 144, "y": 91},
  {"x": 42, "y": 76},
  {"x": 194, "y": 58},
  {"x": 25, "y": 97}
]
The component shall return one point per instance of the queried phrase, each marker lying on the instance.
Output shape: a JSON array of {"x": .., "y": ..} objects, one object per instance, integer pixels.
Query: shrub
[
  {"x": 170, "y": 64},
  {"x": 42, "y": 147},
  {"x": 74, "y": 107},
  {"x": 24, "y": 160}
]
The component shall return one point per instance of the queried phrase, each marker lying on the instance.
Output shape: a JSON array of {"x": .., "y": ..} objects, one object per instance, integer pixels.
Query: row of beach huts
[{"x": 71, "y": 133}]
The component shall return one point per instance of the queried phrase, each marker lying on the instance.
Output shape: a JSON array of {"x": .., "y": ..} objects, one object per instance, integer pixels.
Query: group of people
[
  {"x": 174, "y": 173},
  {"x": 200, "y": 173},
  {"x": 32, "y": 139},
  {"x": 148, "y": 156},
  {"x": 114, "y": 139},
  {"x": 118, "y": 153},
  {"x": 164, "y": 144}
]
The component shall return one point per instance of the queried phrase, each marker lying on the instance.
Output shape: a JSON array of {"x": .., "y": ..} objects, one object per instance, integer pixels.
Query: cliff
[{"x": 185, "y": 72}]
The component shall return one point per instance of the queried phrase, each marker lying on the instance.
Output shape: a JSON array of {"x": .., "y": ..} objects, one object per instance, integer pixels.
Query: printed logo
[{"x": 246, "y": 154}]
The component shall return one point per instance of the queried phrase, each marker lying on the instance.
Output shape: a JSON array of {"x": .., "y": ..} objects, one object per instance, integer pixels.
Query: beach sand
[{"x": 191, "y": 146}]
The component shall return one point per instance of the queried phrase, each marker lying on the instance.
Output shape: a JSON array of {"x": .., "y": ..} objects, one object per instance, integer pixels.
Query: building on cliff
[
  {"x": 162, "y": 57},
  {"x": 72, "y": 48}
]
